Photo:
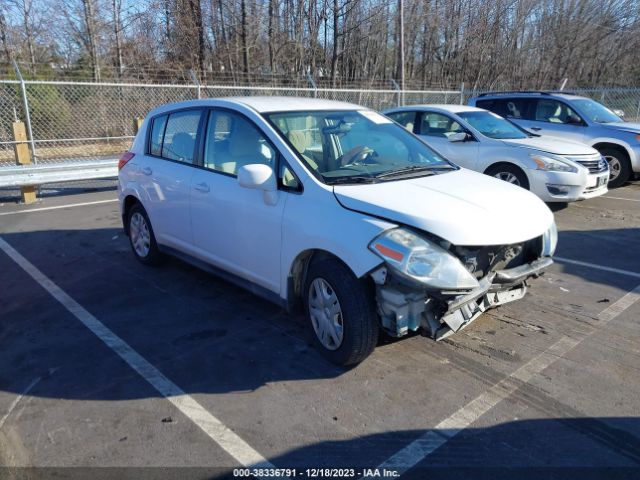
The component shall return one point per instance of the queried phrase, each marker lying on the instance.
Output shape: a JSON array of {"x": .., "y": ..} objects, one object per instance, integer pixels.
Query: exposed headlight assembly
[
  {"x": 422, "y": 260},
  {"x": 550, "y": 240},
  {"x": 552, "y": 164}
]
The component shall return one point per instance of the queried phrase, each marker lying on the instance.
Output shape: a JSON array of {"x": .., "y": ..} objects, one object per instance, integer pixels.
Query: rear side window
[
  {"x": 180, "y": 136},
  {"x": 516, "y": 108},
  {"x": 406, "y": 119},
  {"x": 157, "y": 132}
]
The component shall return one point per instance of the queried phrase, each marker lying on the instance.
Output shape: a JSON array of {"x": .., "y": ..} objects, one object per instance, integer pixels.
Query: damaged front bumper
[{"x": 405, "y": 307}]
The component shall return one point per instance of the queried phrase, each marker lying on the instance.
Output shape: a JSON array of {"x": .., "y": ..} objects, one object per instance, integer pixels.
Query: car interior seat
[
  {"x": 513, "y": 110},
  {"x": 181, "y": 147},
  {"x": 300, "y": 142},
  {"x": 244, "y": 148},
  {"x": 547, "y": 112}
]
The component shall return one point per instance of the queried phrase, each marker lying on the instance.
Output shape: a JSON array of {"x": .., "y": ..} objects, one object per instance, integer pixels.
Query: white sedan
[
  {"x": 555, "y": 170},
  {"x": 333, "y": 209}
]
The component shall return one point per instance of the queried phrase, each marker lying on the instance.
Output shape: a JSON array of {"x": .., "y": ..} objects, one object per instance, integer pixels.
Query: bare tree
[{"x": 92, "y": 45}]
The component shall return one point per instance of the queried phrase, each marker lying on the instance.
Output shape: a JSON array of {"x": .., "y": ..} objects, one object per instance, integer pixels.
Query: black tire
[
  {"x": 504, "y": 169},
  {"x": 618, "y": 159},
  {"x": 153, "y": 255},
  {"x": 360, "y": 328}
]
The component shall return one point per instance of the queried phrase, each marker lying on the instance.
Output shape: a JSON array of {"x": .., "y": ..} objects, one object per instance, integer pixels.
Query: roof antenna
[{"x": 563, "y": 84}]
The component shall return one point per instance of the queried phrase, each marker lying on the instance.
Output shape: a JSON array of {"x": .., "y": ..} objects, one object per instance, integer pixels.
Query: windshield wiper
[
  {"x": 350, "y": 179},
  {"x": 413, "y": 169}
]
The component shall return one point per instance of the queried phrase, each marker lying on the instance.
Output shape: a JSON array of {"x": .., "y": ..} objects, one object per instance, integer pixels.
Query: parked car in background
[
  {"x": 573, "y": 117},
  {"x": 334, "y": 209},
  {"x": 555, "y": 170}
]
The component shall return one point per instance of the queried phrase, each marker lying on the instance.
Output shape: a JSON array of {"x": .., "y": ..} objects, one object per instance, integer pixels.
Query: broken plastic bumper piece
[{"x": 403, "y": 309}]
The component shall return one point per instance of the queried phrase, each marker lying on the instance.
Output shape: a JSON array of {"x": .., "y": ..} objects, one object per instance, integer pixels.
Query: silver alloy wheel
[
  {"x": 508, "y": 177},
  {"x": 326, "y": 314},
  {"x": 140, "y": 235},
  {"x": 614, "y": 167}
]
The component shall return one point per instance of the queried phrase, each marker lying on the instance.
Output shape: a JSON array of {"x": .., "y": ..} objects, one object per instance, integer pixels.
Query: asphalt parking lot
[{"x": 108, "y": 363}]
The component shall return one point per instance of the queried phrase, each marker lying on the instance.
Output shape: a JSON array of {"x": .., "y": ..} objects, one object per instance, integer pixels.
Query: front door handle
[
  {"x": 147, "y": 171},
  {"x": 202, "y": 187},
  {"x": 537, "y": 129}
]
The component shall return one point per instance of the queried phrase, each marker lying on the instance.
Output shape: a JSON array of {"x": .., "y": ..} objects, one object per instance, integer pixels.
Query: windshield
[
  {"x": 492, "y": 125},
  {"x": 596, "y": 112},
  {"x": 356, "y": 146}
]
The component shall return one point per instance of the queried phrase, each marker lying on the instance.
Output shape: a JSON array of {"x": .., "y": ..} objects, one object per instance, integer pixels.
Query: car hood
[
  {"x": 552, "y": 145},
  {"x": 464, "y": 207},
  {"x": 623, "y": 126}
]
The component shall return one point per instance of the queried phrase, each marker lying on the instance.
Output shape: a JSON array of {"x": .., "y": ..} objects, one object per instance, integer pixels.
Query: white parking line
[
  {"x": 604, "y": 268},
  {"x": 425, "y": 445},
  {"x": 17, "y": 400},
  {"x": 57, "y": 207},
  {"x": 214, "y": 428},
  {"x": 620, "y": 198}
]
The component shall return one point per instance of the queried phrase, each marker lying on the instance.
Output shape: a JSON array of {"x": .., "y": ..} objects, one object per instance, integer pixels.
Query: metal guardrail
[{"x": 26, "y": 175}]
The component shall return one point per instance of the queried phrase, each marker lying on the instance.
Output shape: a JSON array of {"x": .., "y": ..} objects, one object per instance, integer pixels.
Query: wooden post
[
  {"x": 137, "y": 123},
  {"x": 23, "y": 157}
]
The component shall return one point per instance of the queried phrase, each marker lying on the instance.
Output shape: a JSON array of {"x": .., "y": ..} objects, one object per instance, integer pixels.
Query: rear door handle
[
  {"x": 536, "y": 129},
  {"x": 202, "y": 187},
  {"x": 147, "y": 171}
]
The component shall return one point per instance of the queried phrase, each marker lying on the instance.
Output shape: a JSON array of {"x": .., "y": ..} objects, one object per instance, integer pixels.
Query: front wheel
[
  {"x": 340, "y": 312},
  {"x": 510, "y": 174},
  {"x": 619, "y": 166}
]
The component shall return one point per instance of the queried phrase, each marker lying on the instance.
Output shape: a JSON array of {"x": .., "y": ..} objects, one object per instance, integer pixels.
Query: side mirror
[
  {"x": 619, "y": 113},
  {"x": 258, "y": 176},
  {"x": 458, "y": 137}
]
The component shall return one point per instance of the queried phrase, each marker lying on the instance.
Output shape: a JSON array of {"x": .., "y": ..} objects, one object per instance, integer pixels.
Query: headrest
[
  {"x": 245, "y": 140},
  {"x": 298, "y": 139},
  {"x": 182, "y": 145}
]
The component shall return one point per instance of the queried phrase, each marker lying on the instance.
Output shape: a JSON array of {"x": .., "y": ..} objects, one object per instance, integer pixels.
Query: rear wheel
[
  {"x": 619, "y": 165},
  {"x": 141, "y": 237},
  {"x": 509, "y": 173},
  {"x": 340, "y": 313}
]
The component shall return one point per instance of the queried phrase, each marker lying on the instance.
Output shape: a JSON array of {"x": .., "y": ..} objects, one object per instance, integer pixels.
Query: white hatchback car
[
  {"x": 556, "y": 170},
  {"x": 332, "y": 208}
]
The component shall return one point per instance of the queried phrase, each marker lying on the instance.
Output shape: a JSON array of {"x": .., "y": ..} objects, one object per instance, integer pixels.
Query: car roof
[
  {"x": 494, "y": 95},
  {"x": 265, "y": 104},
  {"x": 450, "y": 108}
]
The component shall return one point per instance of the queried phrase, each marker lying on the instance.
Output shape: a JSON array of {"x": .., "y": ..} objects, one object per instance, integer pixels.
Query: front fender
[
  {"x": 323, "y": 224},
  {"x": 634, "y": 153}
]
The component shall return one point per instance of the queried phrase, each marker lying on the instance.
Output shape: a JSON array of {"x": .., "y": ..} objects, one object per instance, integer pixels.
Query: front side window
[
  {"x": 233, "y": 141},
  {"x": 355, "y": 145},
  {"x": 492, "y": 125},
  {"x": 406, "y": 119},
  {"x": 180, "y": 133},
  {"x": 438, "y": 125},
  {"x": 553, "y": 111}
]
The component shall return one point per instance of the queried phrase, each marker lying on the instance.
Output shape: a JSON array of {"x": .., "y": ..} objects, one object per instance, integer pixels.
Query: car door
[
  {"x": 549, "y": 116},
  {"x": 435, "y": 128},
  {"x": 233, "y": 228},
  {"x": 165, "y": 175}
]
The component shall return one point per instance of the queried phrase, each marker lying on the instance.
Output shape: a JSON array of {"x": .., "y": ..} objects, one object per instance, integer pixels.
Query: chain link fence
[{"x": 77, "y": 121}]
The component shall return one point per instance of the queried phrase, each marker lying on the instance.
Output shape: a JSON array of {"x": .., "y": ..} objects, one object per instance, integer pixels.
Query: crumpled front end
[{"x": 501, "y": 272}]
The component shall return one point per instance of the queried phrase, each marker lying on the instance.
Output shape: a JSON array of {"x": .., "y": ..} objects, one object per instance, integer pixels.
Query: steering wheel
[{"x": 355, "y": 155}]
